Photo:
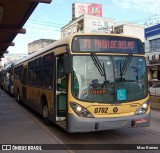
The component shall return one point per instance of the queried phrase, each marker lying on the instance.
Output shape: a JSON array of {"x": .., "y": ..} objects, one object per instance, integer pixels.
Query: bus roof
[{"x": 9, "y": 65}]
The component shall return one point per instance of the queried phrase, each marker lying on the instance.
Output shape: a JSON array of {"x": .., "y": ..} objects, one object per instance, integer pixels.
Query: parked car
[{"x": 155, "y": 89}]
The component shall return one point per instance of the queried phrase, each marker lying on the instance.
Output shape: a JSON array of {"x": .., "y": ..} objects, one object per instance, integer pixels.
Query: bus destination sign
[
  {"x": 114, "y": 44},
  {"x": 108, "y": 44}
]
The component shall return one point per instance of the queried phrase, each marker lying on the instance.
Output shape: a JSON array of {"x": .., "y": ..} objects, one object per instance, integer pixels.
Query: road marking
[{"x": 149, "y": 130}]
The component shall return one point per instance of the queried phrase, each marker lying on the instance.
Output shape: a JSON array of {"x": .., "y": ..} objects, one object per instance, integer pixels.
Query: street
[
  {"x": 147, "y": 135},
  {"x": 55, "y": 135}
]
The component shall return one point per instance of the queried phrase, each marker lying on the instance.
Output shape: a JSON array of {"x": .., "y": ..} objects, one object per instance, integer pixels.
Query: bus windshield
[{"x": 88, "y": 84}]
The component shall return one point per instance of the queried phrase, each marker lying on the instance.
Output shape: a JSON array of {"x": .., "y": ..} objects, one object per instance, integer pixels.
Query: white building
[
  {"x": 38, "y": 44},
  {"x": 9, "y": 58},
  {"x": 130, "y": 29},
  {"x": 87, "y": 17},
  {"x": 88, "y": 23}
]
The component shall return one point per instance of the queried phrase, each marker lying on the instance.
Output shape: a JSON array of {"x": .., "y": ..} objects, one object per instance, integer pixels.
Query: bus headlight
[
  {"x": 143, "y": 109},
  {"x": 80, "y": 110}
]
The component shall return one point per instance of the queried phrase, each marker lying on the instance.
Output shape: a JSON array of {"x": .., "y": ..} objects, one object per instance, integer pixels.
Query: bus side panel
[
  {"x": 17, "y": 88},
  {"x": 34, "y": 95}
]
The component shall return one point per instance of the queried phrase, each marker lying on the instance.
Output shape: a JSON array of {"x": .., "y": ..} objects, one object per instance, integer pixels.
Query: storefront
[{"x": 153, "y": 73}]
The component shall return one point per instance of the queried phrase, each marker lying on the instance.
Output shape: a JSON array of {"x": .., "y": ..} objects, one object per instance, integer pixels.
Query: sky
[{"x": 47, "y": 19}]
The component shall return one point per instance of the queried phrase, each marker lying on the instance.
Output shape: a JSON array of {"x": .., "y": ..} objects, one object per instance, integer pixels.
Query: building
[
  {"x": 88, "y": 23},
  {"x": 38, "y": 44},
  {"x": 9, "y": 58},
  {"x": 152, "y": 49},
  {"x": 87, "y": 17},
  {"x": 152, "y": 42},
  {"x": 130, "y": 29}
]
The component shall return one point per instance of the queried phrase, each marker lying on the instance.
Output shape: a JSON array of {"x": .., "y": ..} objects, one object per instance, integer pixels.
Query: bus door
[
  {"x": 61, "y": 89},
  {"x": 24, "y": 82}
]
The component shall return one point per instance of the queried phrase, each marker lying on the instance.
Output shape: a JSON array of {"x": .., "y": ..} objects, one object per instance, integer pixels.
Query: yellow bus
[
  {"x": 2, "y": 78},
  {"x": 6, "y": 78},
  {"x": 87, "y": 82}
]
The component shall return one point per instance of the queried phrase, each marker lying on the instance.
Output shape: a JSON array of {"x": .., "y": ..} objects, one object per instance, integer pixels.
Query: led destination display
[{"x": 107, "y": 44}]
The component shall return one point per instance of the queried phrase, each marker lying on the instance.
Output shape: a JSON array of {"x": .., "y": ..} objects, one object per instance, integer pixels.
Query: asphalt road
[
  {"x": 25, "y": 120},
  {"x": 139, "y": 136}
]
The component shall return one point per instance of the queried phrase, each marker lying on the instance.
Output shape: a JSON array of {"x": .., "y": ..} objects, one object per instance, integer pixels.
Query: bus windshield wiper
[
  {"x": 124, "y": 68},
  {"x": 100, "y": 67}
]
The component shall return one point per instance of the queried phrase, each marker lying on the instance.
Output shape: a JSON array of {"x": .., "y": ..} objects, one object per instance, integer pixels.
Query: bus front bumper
[{"x": 77, "y": 124}]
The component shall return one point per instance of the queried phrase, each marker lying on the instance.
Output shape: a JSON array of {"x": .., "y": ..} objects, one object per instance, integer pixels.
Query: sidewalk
[{"x": 18, "y": 127}]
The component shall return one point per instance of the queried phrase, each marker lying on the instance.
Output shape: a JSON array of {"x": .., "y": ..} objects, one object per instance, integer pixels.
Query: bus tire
[{"x": 45, "y": 114}]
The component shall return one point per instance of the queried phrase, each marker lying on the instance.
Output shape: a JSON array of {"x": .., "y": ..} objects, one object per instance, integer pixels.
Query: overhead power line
[
  {"x": 143, "y": 20},
  {"x": 43, "y": 24},
  {"x": 59, "y": 25},
  {"x": 46, "y": 22},
  {"x": 42, "y": 28}
]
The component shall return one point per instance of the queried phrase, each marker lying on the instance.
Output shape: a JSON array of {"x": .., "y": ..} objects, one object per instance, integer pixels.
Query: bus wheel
[{"x": 45, "y": 114}]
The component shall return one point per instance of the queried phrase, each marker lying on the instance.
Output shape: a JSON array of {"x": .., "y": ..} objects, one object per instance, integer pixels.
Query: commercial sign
[
  {"x": 99, "y": 25},
  {"x": 86, "y": 8},
  {"x": 96, "y": 24},
  {"x": 152, "y": 31}
]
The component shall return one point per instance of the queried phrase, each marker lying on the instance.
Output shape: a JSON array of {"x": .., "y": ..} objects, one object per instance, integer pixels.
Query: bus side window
[{"x": 47, "y": 71}]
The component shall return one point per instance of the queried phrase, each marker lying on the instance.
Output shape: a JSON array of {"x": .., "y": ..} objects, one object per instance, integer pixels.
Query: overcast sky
[{"x": 47, "y": 19}]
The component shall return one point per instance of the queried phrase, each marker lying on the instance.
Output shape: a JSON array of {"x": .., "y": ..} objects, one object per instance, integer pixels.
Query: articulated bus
[{"x": 87, "y": 82}]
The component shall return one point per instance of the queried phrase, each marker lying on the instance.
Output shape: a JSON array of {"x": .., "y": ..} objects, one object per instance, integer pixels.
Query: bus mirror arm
[{"x": 67, "y": 63}]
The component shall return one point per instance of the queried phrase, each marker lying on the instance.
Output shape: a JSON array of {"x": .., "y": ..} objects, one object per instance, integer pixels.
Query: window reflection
[{"x": 89, "y": 85}]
